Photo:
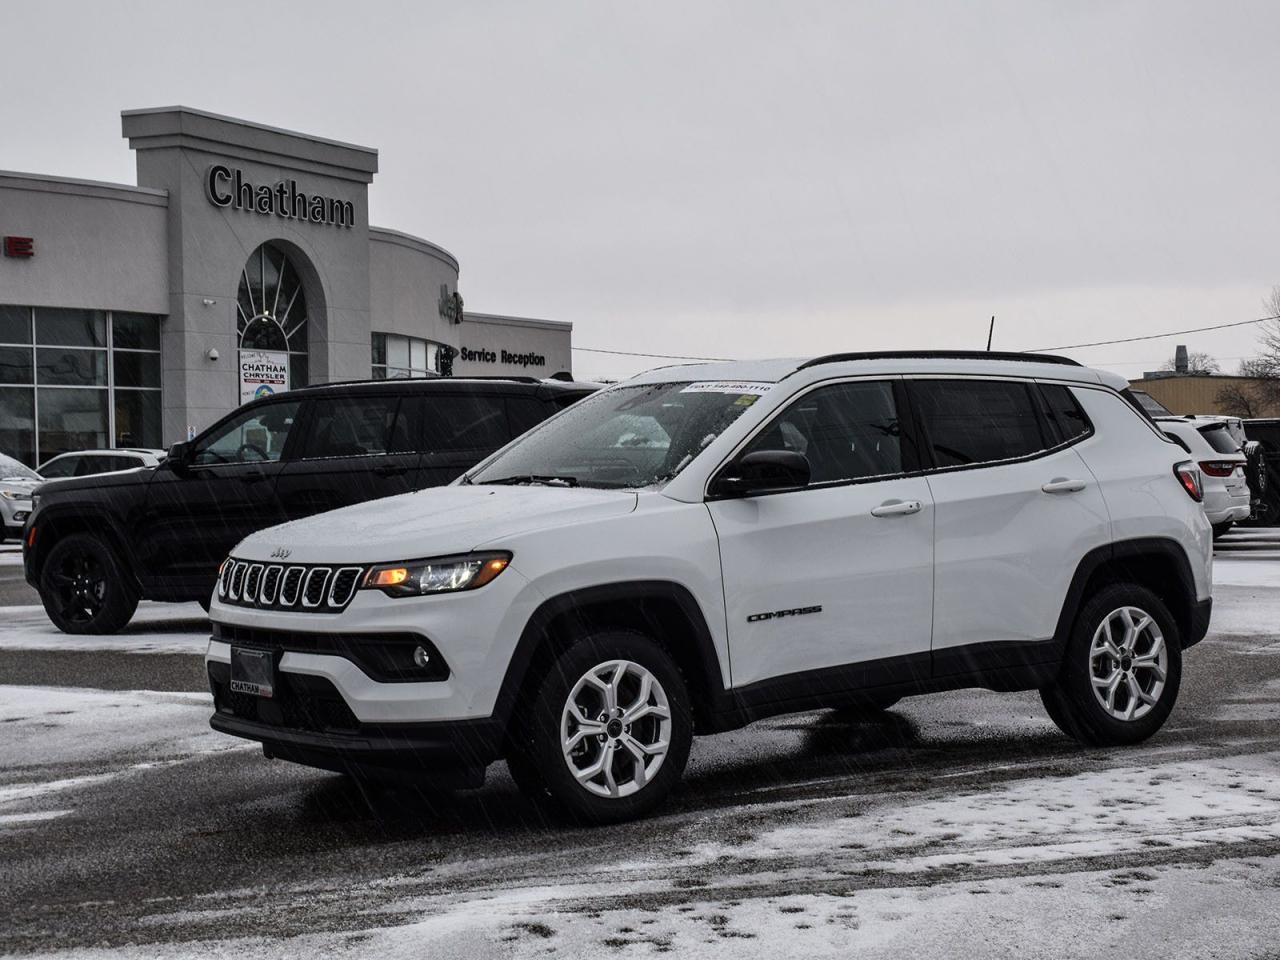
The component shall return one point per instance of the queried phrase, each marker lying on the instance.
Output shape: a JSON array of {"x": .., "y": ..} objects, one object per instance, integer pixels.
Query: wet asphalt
[{"x": 226, "y": 844}]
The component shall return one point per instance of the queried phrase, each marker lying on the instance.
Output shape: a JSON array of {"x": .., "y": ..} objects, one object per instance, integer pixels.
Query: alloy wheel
[
  {"x": 1128, "y": 663},
  {"x": 80, "y": 582},
  {"x": 615, "y": 728}
]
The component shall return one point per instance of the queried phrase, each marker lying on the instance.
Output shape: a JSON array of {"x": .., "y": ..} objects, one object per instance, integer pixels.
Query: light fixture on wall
[
  {"x": 208, "y": 302},
  {"x": 212, "y": 354}
]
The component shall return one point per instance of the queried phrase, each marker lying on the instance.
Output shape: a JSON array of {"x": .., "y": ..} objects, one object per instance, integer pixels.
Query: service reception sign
[{"x": 262, "y": 373}]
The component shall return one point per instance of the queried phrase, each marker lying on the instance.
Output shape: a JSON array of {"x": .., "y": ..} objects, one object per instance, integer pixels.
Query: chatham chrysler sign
[{"x": 228, "y": 187}]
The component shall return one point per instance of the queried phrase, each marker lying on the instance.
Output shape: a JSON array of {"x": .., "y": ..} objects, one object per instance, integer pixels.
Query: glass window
[
  {"x": 73, "y": 368},
  {"x": 525, "y": 413},
  {"x": 136, "y": 369},
  {"x": 977, "y": 421},
  {"x": 15, "y": 365},
  {"x": 628, "y": 436},
  {"x": 17, "y": 423},
  {"x": 15, "y": 324},
  {"x": 461, "y": 422},
  {"x": 356, "y": 427},
  {"x": 254, "y": 436},
  {"x": 379, "y": 349},
  {"x": 135, "y": 331},
  {"x": 138, "y": 418},
  {"x": 395, "y": 357},
  {"x": 61, "y": 467},
  {"x": 1064, "y": 412},
  {"x": 1220, "y": 438},
  {"x": 71, "y": 328},
  {"x": 72, "y": 420},
  {"x": 847, "y": 431},
  {"x": 11, "y": 469}
]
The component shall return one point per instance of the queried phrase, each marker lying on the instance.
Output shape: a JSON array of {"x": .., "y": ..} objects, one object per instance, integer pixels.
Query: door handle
[
  {"x": 896, "y": 508},
  {"x": 1062, "y": 485},
  {"x": 252, "y": 476},
  {"x": 389, "y": 470}
]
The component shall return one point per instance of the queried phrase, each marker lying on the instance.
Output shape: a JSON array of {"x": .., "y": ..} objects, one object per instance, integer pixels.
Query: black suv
[{"x": 95, "y": 546}]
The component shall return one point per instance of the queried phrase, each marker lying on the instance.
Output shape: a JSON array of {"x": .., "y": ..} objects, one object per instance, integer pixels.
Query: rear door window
[
  {"x": 968, "y": 422},
  {"x": 64, "y": 467},
  {"x": 357, "y": 426},
  {"x": 455, "y": 422}
]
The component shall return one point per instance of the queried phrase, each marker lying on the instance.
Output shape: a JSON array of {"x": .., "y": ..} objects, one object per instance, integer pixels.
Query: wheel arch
[
  {"x": 1158, "y": 563},
  {"x": 55, "y": 525},
  {"x": 665, "y": 610}
]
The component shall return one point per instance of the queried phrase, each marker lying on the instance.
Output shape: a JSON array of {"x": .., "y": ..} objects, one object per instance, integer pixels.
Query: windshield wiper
[{"x": 543, "y": 479}]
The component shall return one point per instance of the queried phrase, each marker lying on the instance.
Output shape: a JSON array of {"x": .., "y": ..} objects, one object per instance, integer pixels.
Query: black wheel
[
  {"x": 85, "y": 588},
  {"x": 606, "y": 735},
  {"x": 1121, "y": 670},
  {"x": 1220, "y": 529}
]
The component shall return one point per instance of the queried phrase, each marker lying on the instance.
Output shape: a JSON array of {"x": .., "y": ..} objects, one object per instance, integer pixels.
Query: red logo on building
[{"x": 19, "y": 247}]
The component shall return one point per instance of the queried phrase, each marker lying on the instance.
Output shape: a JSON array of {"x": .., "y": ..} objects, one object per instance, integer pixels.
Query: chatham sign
[{"x": 227, "y": 187}]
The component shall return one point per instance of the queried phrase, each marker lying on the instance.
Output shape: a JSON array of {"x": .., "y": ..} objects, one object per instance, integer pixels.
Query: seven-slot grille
[{"x": 313, "y": 588}]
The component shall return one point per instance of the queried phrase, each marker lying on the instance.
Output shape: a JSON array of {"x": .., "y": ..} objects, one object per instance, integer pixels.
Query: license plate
[{"x": 253, "y": 671}]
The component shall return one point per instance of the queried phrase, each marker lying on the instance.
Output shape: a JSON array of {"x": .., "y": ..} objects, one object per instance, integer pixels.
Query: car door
[
  {"x": 355, "y": 447},
  {"x": 838, "y": 576},
  {"x": 198, "y": 510},
  {"x": 1016, "y": 508},
  {"x": 460, "y": 428}
]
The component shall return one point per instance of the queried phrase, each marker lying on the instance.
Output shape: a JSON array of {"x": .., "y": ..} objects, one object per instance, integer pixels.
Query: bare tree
[
  {"x": 1238, "y": 400},
  {"x": 1262, "y": 391},
  {"x": 1198, "y": 364}
]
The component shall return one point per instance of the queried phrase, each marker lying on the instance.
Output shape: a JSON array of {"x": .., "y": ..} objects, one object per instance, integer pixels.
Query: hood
[
  {"x": 96, "y": 481},
  {"x": 432, "y": 522},
  {"x": 18, "y": 484}
]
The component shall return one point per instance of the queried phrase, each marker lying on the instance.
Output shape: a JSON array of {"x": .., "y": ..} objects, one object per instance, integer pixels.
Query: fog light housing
[{"x": 421, "y": 657}]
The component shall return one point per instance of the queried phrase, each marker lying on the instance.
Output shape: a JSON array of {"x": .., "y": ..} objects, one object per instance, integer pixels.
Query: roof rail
[{"x": 940, "y": 355}]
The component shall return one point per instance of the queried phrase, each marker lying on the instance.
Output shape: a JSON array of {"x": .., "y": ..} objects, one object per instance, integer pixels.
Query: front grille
[{"x": 312, "y": 588}]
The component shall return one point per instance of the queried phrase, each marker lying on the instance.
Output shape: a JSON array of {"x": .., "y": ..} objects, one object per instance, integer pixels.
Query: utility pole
[{"x": 991, "y": 332}]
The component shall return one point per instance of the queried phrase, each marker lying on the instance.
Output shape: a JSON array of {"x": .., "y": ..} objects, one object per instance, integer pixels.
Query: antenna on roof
[{"x": 991, "y": 332}]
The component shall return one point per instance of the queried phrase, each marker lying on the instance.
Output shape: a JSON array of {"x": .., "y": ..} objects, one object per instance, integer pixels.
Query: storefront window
[
  {"x": 77, "y": 379},
  {"x": 396, "y": 357}
]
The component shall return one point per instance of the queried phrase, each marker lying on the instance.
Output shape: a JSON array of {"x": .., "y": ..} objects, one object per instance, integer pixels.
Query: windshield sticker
[{"x": 744, "y": 387}]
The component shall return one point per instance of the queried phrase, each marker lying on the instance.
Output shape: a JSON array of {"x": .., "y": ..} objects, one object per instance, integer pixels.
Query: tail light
[
  {"x": 1189, "y": 476},
  {"x": 1219, "y": 468}
]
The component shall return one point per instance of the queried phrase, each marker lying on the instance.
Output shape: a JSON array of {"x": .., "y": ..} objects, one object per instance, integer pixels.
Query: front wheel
[
  {"x": 85, "y": 588},
  {"x": 1122, "y": 669},
  {"x": 607, "y": 734}
]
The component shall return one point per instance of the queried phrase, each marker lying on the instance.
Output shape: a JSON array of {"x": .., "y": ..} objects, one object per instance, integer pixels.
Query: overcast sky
[{"x": 744, "y": 179}]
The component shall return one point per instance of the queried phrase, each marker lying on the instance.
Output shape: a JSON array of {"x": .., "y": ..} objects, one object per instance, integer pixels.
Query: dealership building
[{"x": 242, "y": 263}]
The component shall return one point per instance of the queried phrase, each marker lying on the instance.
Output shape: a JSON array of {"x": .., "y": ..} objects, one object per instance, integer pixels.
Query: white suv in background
[
  {"x": 1222, "y": 465},
  {"x": 703, "y": 546}
]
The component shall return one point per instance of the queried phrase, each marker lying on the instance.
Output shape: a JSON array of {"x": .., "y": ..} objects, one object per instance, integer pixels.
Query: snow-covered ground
[{"x": 1170, "y": 849}]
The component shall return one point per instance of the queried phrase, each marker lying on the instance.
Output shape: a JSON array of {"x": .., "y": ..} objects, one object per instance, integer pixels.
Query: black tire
[
  {"x": 1220, "y": 529},
  {"x": 1071, "y": 701},
  {"x": 85, "y": 588},
  {"x": 540, "y": 767}
]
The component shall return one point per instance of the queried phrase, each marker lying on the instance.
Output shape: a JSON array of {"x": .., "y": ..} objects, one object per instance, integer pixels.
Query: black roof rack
[{"x": 940, "y": 355}]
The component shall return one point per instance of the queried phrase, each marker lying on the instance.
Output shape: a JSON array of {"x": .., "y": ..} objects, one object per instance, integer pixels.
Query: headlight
[
  {"x": 13, "y": 495},
  {"x": 416, "y": 578}
]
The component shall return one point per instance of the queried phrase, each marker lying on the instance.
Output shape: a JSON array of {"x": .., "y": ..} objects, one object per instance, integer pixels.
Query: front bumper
[{"x": 308, "y": 722}]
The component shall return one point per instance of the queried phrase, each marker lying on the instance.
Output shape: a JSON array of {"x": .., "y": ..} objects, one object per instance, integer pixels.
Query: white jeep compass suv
[{"x": 703, "y": 546}]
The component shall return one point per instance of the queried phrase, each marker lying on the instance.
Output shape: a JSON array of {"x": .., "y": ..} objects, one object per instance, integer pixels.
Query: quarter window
[
  {"x": 254, "y": 436},
  {"x": 357, "y": 427},
  {"x": 847, "y": 431},
  {"x": 1064, "y": 413},
  {"x": 977, "y": 421}
]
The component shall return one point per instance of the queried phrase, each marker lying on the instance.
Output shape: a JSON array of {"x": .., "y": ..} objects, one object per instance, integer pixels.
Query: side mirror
[
  {"x": 763, "y": 471},
  {"x": 179, "y": 456}
]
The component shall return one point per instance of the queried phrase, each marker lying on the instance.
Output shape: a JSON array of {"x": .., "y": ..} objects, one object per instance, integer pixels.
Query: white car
[
  {"x": 1226, "y": 489},
  {"x": 17, "y": 481},
  {"x": 85, "y": 463},
  {"x": 702, "y": 546}
]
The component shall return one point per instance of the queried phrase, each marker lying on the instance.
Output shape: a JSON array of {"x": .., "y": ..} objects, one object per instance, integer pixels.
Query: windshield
[
  {"x": 629, "y": 436},
  {"x": 11, "y": 469}
]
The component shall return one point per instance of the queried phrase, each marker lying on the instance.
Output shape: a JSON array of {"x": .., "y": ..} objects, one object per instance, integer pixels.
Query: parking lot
[{"x": 960, "y": 824}]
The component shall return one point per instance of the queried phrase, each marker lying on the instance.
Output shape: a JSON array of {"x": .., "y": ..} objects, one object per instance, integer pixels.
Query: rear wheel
[
  {"x": 85, "y": 588},
  {"x": 1122, "y": 669},
  {"x": 607, "y": 734}
]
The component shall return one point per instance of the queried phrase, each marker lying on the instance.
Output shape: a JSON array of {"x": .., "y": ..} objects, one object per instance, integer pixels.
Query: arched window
[{"x": 272, "y": 309}]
